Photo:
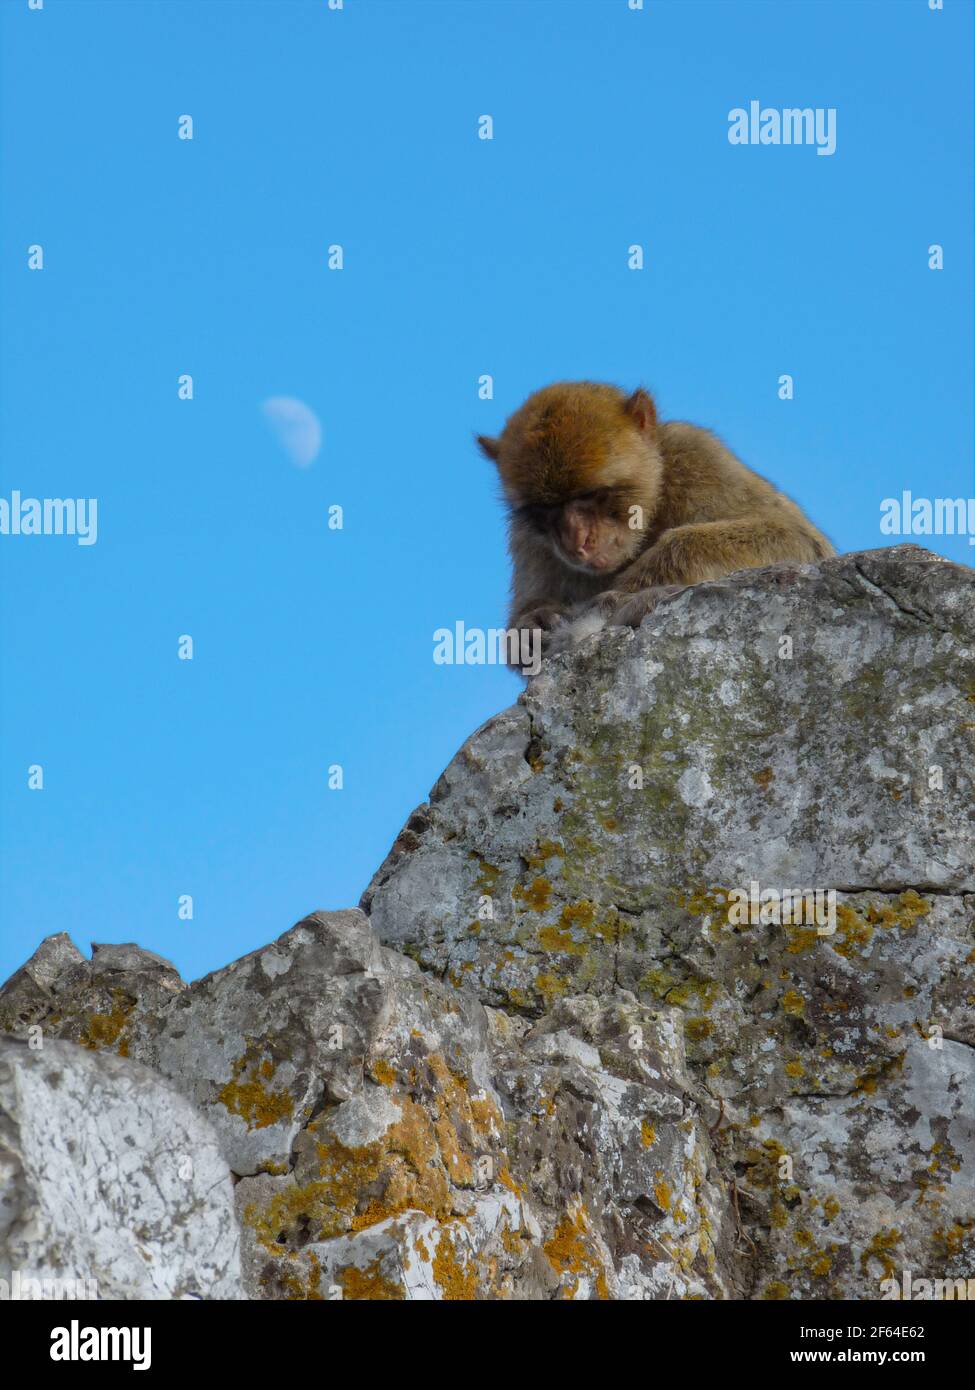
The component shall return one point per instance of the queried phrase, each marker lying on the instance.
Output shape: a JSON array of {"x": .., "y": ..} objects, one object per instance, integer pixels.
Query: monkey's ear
[
  {"x": 642, "y": 411},
  {"x": 489, "y": 447}
]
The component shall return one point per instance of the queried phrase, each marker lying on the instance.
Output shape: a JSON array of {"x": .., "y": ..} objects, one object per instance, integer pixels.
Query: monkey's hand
[
  {"x": 635, "y": 607},
  {"x": 622, "y": 608},
  {"x": 544, "y": 616}
]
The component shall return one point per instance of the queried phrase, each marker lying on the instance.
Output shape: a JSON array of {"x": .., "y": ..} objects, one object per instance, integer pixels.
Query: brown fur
[{"x": 578, "y": 456}]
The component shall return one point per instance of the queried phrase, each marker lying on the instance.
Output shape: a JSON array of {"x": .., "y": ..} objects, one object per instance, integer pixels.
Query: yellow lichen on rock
[{"x": 251, "y": 1098}]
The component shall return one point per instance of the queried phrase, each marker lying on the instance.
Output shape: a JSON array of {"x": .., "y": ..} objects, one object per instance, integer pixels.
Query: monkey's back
[{"x": 703, "y": 481}]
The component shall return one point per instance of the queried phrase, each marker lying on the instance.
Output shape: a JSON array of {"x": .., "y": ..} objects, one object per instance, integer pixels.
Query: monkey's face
[
  {"x": 580, "y": 468},
  {"x": 590, "y": 531}
]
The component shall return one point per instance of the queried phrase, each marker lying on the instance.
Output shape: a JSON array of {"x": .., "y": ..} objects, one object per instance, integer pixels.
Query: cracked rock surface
[
  {"x": 796, "y": 728},
  {"x": 110, "y": 1181},
  {"x": 551, "y": 1058}
]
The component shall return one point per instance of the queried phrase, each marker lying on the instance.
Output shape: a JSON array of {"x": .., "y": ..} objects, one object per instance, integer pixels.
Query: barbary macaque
[{"x": 606, "y": 500}]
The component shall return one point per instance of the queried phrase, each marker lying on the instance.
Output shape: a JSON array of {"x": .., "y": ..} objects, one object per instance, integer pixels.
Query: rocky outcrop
[
  {"x": 588, "y": 1042},
  {"x": 392, "y": 1137},
  {"x": 796, "y": 728}
]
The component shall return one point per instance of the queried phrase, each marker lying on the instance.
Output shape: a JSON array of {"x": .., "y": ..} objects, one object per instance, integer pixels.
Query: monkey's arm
[
  {"x": 710, "y": 549},
  {"x": 541, "y": 591}
]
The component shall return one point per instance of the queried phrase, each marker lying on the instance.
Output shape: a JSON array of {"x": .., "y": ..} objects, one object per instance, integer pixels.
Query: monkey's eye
[{"x": 537, "y": 514}]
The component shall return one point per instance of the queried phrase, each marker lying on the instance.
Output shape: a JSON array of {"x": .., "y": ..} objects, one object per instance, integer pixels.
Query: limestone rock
[
  {"x": 667, "y": 992},
  {"x": 795, "y": 728},
  {"x": 110, "y": 1182},
  {"x": 394, "y": 1139}
]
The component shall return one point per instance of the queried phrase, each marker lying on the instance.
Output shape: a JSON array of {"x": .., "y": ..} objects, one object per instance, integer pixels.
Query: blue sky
[{"x": 462, "y": 256}]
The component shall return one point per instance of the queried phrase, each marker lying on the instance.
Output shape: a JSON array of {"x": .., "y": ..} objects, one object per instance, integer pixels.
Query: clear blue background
[{"x": 209, "y": 777}]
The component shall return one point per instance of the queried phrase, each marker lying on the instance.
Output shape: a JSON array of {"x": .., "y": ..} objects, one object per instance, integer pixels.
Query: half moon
[{"x": 296, "y": 428}]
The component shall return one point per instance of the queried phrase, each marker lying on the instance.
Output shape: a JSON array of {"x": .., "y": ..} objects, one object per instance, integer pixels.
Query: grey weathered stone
[
  {"x": 587, "y": 840},
  {"x": 804, "y": 770},
  {"x": 109, "y": 1180},
  {"x": 31, "y": 991},
  {"x": 556, "y": 1062}
]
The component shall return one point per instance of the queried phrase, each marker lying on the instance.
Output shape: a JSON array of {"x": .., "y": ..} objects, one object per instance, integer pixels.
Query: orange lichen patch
[
  {"x": 300, "y": 1278},
  {"x": 794, "y": 1068},
  {"x": 581, "y": 917},
  {"x": 662, "y": 1192},
  {"x": 368, "y": 1283},
  {"x": 486, "y": 1116},
  {"x": 793, "y": 1003},
  {"x": 697, "y": 1029},
  {"x": 511, "y": 1241},
  {"x": 779, "y": 1215},
  {"x": 776, "y": 1290},
  {"x": 550, "y": 987},
  {"x": 648, "y": 1135},
  {"x": 455, "y": 1277},
  {"x": 608, "y": 930},
  {"x": 460, "y": 1123},
  {"x": 419, "y": 1245},
  {"x": 581, "y": 914},
  {"x": 707, "y": 902},
  {"x": 879, "y": 1249},
  {"x": 554, "y": 939},
  {"x": 765, "y": 1164},
  {"x": 545, "y": 850},
  {"x": 951, "y": 1240},
  {"x": 705, "y": 993},
  {"x": 911, "y": 907},
  {"x": 852, "y": 933},
  {"x": 301, "y": 1286},
  {"x": 250, "y": 1097},
  {"x": 831, "y": 1209},
  {"x": 487, "y": 878},
  {"x": 276, "y": 1170},
  {"x": 867, "y": 1081},
  {"x": 506, "y": 1180},
  {"x": 105, "y": 1030},
  {"x": 383, "y": 1072},
  {"x": 293, "y": 1208},
  {"x": 801, "y": 939},
  {"x": 570, "y": 1250},
  {"x": 536, "y": 897},
  {"x": 415, "y": 1165},
  {"x": 315, "y": 1276}
]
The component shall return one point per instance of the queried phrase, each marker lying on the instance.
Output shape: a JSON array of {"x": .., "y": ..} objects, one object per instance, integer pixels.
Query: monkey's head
[{"x": 580, "y": 467}]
